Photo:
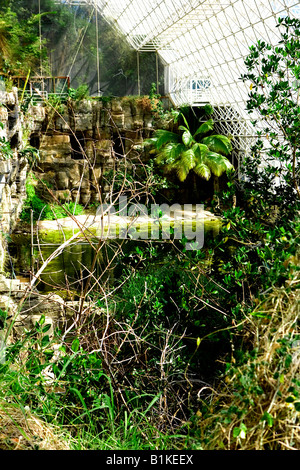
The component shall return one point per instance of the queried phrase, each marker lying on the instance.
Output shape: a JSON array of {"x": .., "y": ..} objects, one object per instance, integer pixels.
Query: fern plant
[{"x": 203, "y": 153}]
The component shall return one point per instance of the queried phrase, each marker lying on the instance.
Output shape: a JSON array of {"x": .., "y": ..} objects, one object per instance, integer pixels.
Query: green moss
[{"x": 43, "y": 210}]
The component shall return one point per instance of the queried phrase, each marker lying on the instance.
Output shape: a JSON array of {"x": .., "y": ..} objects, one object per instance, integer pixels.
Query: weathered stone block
[
  {"x": 52, "y": 306},
  {"x": 103, "y": 144},
  {"x": 85, "y": 184},
  {"x": 104, "y": 159},
  {"x": 83, "y": 122},
  {"x": 62, "y": 180},
  {"x": 62, "y": 123},
  {"x": 116, "y": 106},
  {"x": 8, "y": 304},
  {"x": 95, "y": 174},
  {"x": 138, "y": 124},
  {"x": 85, "y": 198},
  {"x": 108, "y": 164},
  {"x": 74, "y": 176},
  {"x": 12, "y": 97},
  {"x": 55, "y": 140},
  {"x": 63, "y": 195},
  {"x": 118, "y": 120},
  {"x": 3, "y": 114},
  {"x": 83, "y": 107},
  {"x": 148, "y": 121},
  {"x": 37, "y": 113},
  {"x": 13, "y": 190},
  {"x": 95, "y": 197},
  {"x": 9, "y": 285}
]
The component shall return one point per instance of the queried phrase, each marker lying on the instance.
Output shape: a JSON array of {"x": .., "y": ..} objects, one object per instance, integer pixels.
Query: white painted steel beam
[{"x": 201, "y": 40}]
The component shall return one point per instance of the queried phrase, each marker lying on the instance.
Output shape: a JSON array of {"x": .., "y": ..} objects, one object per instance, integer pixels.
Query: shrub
[{"x": 44, "y": 210}]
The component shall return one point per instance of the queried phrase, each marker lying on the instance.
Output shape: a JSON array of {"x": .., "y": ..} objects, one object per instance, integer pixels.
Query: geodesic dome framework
[{"x": 202, "y": 44}]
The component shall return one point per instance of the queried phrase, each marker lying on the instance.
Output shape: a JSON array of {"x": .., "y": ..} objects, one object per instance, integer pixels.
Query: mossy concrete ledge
[{"x": 113, "y": 226}]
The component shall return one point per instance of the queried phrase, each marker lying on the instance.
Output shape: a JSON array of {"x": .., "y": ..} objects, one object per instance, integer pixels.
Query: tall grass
[
  {"x": 258, "y": 403},
  {"x": 68, "y": 395}
]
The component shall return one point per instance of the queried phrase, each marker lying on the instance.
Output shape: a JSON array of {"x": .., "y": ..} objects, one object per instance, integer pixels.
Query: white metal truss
[{"x": 203, "y": 44}]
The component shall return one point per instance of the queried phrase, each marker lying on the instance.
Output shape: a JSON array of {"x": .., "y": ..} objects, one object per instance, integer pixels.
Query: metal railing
[{"x": 41, "y": 88}]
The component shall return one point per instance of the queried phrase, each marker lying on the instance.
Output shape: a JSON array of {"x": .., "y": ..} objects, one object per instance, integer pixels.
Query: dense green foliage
[
  {"x": 5, "y": 148},
  {"x": 202, "y": 152},
  {"x": 69, "y": 40},
  {"x": 42, "y": 209},
  {"x": 20, "y": 47},
  {"x": 274, "y": 73}
]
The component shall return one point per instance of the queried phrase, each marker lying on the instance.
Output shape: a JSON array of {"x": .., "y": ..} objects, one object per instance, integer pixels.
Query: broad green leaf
[
  {"x": 164, "y": 137},
  {"x": 297, "y": 405},
  {"x": 182, "y": 171},
  {"x": 203, "y": 171},
  {"x": 46, "y": 328},
  {"x": 188, "y": 159},
  {"x": 267, "y": 417},
  {"x": 281, "y": 378},
  {"x": 149, "y": 142},
  {"x": 200, "y": 151},
  {"x": 177, "y": 151},
  {"x": 240, "y": 431},
  {"x": 205, "y": 127},
  {"x": 218, "y": 143},
  {"x": 165, "y": 153},
  {"x": 45, "y": 340},
  {"x": 75, "y": 345},
  {"x": 160, "y": 158},
  {"x": 187, "y": 138},
  {"x": 170, "y": 153},
  {"x": 243, "y": 431},
  {"x": 185, "y": 121},
  {"x": 217, "y": 163},
  {"x": 176, "y": 114},
  {"x": 290, "y": 399},
  {"x": 48, "y": 352}
]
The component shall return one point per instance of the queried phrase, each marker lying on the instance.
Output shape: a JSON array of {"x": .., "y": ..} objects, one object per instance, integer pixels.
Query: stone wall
[
  {"x": 25, "y": 308},
  {"x": 82, "y": 141},
  {"x": 13, "y": 167},
  {"x": 79, "y": 144}
]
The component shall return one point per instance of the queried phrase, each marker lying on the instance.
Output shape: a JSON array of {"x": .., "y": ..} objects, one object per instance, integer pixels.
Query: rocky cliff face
[
  {"x": 13, "y": 166},
  {"x": 81, "y": 142}
]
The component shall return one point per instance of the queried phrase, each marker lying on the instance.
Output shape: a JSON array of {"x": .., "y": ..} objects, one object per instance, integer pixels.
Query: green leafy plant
[
  {"x": 80, "y": 93},
  {"x": 20, "y": 47},
  {"x": 156, "y": 104},
  {"x": 56, "y": 105},
  {"x": 258, "y": 405},
  {"x": 201, "y": 152},
  {"x": 274, "y": 73},
  {"x": 42, "y": 209},
  {"x": 5, "y": 148},
  {"x": 32, "y": 154}
]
